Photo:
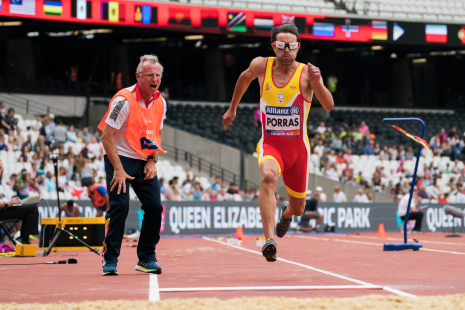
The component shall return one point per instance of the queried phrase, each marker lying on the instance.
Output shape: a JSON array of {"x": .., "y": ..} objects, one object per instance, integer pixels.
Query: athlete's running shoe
[
  {"x": 148, "y": 267},
  {"x": 283, "y": 225},
  {"x": 109, "y": 270},
  {"x": 269, "y": 250}
]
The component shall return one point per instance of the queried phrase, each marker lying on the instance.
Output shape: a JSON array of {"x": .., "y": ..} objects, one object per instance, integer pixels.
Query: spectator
[
  {"x": 23, "y": 158},
  {"x": 376, "y": 149},
  {"x": 186, "y": 190},
  {"x": 70, "y": 208},
  {"x": 58, "y": 136},
  {"x": 363, "y": 129},
  {"x": 95, "y": 147},
  {"x": 224, "y": 195},
  {"x": 321, "y": 195},
  {"x": 233, "y": 189},
  {"x": 3, "y": 145},
  {"x": 71, "y": 135},
  {"x": 86, "y": 136},
  {"x": 363, "y": 183},
  {"x": 348, "y": 157},
  {"x": 324, "y": 160},
  {"x": 376, "y": 180},
  {"x": 84, "y": 170},
  {"x": 171, "y": 192},
  {"x": 22, "y": 184},
  {"x": 322, "y": 128},
  {"x": 188, "y": 177},
  {"x": 79, "y": 137},
  {"x": 29, "y": 216},
  {"x": 36, "y": 124},
  {"x": 97, "y": 136},
  {"x": 311, "y": 212},
  {"x": 460, "y": 195},
  {"x": 9, "y": 120},
  {"x": 51, "y": 117},
  {"x": 339, "y": 196},
  {"x": 215, "y": 186},
  {"x": 361, "y": 197},
  {"x": 369, "y": 148},
  {"x": 319, "y": 148},
  {"x": 62, "y": 179},
  {"x": 415, "y": 214},
  {"x": 197, "y": 192},
  {"x": 370, "y": 197}
]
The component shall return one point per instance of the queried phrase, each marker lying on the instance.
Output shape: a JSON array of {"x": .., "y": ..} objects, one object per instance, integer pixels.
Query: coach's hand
[
  {"x": 314, "y": 74},
  {"x": 119, "y": 178},
  {"x": 228, "y": 117},
  {"x": 150, "y": 170}
]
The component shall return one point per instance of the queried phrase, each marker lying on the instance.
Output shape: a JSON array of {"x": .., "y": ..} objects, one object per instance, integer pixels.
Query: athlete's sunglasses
[{"x": 282, "y": 46}]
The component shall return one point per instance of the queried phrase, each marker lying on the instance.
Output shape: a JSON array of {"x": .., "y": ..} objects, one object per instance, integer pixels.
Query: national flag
[
  {"x": 436, "y": 33},
  {"x": 397, "y": 32},
  {"x": 379, "y": 30},
  {"x": 0, "y": 6},
  {"x": 323, "y": 30},
  {"x": 113, "y": 11},
  {"x": 209, "y": 18},
  {"x": 287, "y": 19},
  {"x": 146, "y": 14},
  {"x": 236, "y": 22},
  {"x": 263, "y": 24},
  {"x": 179, "y": 16},
  {"x": 461, "y": 34},
  {"x": 26, "y": 7},
  {"x": 81, "y": 9},
  {"x": 53, "y": 7}
]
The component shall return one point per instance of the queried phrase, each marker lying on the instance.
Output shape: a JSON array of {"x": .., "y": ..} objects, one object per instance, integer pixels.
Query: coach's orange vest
[{"x": 143, "y": 131}]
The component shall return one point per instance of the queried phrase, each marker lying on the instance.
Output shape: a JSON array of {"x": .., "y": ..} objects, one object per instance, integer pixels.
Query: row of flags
[{"x": 114, "y": 11}]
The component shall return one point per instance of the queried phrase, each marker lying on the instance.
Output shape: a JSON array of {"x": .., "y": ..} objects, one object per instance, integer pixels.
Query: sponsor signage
[
  {"x": 201, "y": 217},
  {"x": 229, "y": 20}
]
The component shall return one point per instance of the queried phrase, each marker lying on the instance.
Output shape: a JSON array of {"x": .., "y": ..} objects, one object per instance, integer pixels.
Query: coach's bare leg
[
  {"x": 296, "y": 207},
  {"x": 267, "y": 200}
]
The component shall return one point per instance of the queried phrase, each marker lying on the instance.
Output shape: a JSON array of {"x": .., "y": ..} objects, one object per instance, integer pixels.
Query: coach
[{"x": 131, "y": 138}]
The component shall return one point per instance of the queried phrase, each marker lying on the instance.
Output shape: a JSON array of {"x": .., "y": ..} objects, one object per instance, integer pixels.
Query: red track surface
[{"x": 197, "y": 262}]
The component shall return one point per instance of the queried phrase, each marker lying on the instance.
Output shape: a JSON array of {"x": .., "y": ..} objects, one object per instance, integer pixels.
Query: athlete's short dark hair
[{"x": 289, "y": 28}]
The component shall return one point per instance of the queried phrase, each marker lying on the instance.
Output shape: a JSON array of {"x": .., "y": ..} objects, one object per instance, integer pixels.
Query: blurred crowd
[
  {"x": 336, "y": 145},
  {"x": 82, "y": 160}
]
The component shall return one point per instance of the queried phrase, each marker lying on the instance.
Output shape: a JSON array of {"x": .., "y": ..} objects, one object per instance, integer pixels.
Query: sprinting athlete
[{"x": 287, "y": 88}]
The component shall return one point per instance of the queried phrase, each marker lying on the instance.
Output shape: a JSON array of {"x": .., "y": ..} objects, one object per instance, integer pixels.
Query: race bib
[{"x": 282, "y": 121}]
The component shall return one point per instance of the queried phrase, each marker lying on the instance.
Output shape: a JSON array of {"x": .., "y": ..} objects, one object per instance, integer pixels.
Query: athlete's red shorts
[{"x": 293, "y": 159}]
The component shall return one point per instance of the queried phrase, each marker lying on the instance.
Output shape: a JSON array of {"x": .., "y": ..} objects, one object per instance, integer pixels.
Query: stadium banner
[
  {"x": 211, "y": 217},
  {"x": 221, "y": 20}
]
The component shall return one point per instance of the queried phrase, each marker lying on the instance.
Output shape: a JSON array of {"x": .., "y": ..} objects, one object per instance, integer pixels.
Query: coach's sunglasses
[{"x": 282, "y": 46}]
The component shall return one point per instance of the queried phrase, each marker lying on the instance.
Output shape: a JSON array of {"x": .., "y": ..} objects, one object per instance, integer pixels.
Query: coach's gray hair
[{"x": 152, "y": 58}]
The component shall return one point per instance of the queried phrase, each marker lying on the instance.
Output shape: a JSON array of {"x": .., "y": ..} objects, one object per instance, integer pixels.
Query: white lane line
[
  {"x": 294, "y": 263},
  {"x": 272, "y": 288},
  {"x": 399, "y": 239},
  {"x": 316, "y": 269},
  {"x": 400, "y": 293},
  {"x": 154, "y": 291},
  {"x": 371, "y": 243}
]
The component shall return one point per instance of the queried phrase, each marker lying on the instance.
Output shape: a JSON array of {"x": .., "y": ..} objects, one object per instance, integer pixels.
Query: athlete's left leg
[{"x": 296, "y": 207}]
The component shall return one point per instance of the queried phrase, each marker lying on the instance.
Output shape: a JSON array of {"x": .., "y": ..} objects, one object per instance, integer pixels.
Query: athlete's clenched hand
[
  {"x": 228, "y": 117},
  {"x": 314, "y": 74}
]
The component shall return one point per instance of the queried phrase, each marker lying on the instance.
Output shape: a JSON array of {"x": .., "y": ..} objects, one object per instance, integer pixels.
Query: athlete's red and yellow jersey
[{"x": 284, "y": 139}]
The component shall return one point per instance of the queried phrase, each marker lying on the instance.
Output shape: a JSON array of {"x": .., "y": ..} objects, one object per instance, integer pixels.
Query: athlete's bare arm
[
  {"x": 314, "y": 83},
  {"x": 256, "y": 69}
]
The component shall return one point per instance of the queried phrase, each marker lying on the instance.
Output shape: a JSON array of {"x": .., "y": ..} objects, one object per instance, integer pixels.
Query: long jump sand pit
[{"x": 260, "y": 303}]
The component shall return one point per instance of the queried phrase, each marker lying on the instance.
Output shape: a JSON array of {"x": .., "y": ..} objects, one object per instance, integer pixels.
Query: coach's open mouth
[{"x": 153, "y": 86}]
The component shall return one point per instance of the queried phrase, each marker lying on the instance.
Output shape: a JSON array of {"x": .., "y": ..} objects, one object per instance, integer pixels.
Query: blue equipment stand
[{"x": 405, "y": 245}]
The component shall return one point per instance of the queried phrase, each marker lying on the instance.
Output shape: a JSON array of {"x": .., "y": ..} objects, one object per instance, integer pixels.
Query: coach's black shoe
[
  {"x": 283, "y": 225},
  {"x": 269, "y": 250}
]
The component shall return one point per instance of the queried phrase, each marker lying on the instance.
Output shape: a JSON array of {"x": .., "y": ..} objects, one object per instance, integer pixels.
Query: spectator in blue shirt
[
  {"x": 197, "y": 192},
  {"x": 216, "y": 186},
  {"x": 369, "y": 148}
]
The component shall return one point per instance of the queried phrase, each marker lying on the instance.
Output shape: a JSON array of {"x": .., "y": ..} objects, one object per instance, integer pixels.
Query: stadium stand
[{"x": 430, "y": 10}]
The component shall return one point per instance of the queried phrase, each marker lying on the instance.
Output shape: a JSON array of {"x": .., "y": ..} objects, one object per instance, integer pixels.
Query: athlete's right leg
[{"x": 267, "y": 201}]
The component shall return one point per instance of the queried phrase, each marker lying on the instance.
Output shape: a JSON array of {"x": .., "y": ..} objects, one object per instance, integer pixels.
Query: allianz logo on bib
[{"x": 282, "y": 111}]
